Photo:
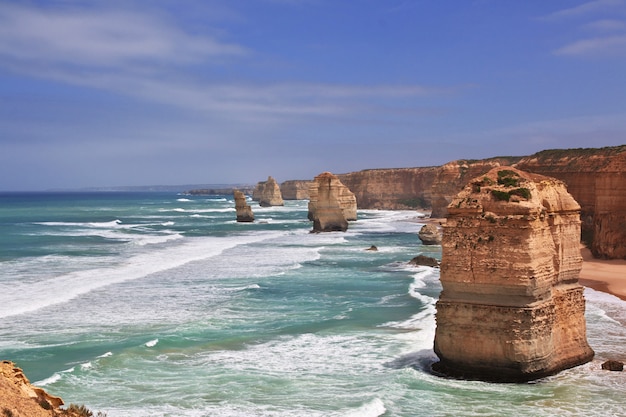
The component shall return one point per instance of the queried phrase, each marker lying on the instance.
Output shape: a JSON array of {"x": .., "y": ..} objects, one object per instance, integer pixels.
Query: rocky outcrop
[
  {"x": 295, "y": 189},
  {"x": 511, "y": 307},
  {"x": 430, "y": 234},
  {"x": 267, "y": 193},
  {"x": 596, "y": 177},
  {"x": 244, "y": 211},
  {"x": 613, "y": 365},
  {"x": 331, "y": 204},
  {"x": 20, "y": 398},
  {"x": 391, "y": 189},
  {"x": 423, "y": 260}
]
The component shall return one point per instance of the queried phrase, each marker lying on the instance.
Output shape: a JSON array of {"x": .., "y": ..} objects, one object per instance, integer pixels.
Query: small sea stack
[
  {"x": 511, "y": 308},
  {"x": 244, "y": 211}
]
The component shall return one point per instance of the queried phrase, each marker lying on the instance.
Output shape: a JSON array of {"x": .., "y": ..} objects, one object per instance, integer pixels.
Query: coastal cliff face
[
  {"x": 596, "y": 177},
  {"x": 511, "y": 307},
  {"x": 391, "y": 189},
  {"x": 22, "y": 399},
  {"x": 244, "y": 211},
  {"x": 331, "y": 204},
  {"x": 267, "y": 193},
  {"x": 295, "y": 189}
]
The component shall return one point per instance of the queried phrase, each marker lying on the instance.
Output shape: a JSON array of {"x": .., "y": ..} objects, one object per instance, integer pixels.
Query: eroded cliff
[
  {"x": 596, "y": 177},
  {"x": 19, "y": 398},
  {"x": 511, "y": 307},
  {"x": 391, "y": 189},
  {"x": 295, "y": 189}
]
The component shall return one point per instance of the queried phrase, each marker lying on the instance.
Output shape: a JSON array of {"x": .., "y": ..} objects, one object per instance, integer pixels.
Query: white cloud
[
  {"x": 596, "y": 47},
  {"x": 145, "y": 56},
  {"x": 585, "y": 9},
  {"x": 606, "y": 25},
  {"x": 108, "y": 38}
]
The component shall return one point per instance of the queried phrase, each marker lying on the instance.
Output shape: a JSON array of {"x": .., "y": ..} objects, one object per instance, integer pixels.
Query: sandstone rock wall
[
  {"x": 511, "y": 306},
  {"x": 295, "y": 189},
  {"x": 391, "y": 189},
  {"x": 331, "y": 204},
  {"x": 267, "y": 193},
  {"x": 596, "y": 178},
  {"x": 244, "y": 211}
]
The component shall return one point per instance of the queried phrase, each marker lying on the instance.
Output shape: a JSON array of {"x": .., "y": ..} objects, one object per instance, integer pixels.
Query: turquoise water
[{"x": 156, "y": 304}]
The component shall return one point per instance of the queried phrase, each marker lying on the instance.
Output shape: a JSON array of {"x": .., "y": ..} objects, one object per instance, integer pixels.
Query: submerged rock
[{"x": 511, "y": 308}]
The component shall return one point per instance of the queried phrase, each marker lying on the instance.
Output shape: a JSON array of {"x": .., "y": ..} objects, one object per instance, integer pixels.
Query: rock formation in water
[
  {"x": 511, "y": 307},
  {"x": 430, "y": 234},
  {"x": 267, "y": 193},
  {"x": 331, "y": 204},
  {"x": 295, "y": 189},
  {"x": 244, "y": 211}
]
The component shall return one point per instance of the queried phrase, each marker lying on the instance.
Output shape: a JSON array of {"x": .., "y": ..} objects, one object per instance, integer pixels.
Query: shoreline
[{"x": 603, "y": 275}]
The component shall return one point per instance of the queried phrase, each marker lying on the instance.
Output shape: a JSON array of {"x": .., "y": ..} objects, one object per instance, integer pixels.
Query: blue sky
[{"x": 105, "y": 93}]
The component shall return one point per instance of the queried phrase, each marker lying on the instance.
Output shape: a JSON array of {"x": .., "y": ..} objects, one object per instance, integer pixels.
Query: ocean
[{"x": 159, "y": 304}]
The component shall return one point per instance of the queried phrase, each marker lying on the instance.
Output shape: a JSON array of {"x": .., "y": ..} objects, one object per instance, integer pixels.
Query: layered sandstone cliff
[
  {"x": 243, "y": 210},
  {"x": 596, "y": 177},
  {"x": 19, "y": 398},
  {"x": 391, "y": 189},
  {"x": 331, "y": 204},
  {"x": 511, "y": 306},
  {"x": 295, "y": 189},
  {"x": 267, "y": 193}
]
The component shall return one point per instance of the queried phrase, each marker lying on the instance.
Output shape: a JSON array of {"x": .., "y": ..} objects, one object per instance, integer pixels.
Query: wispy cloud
[
  {"x": 605, "y": 19},
  {"x": 596, "y": 47},
  {"x": 585, "y": 9},
  {"x": 606, "y": 25},
  {"x": 104, "y": 38},
  {"x": 147, "y": 57}
]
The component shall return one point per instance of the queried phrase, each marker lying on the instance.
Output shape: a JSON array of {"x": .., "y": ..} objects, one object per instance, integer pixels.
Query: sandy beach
[{"x": 603, "y": 275}]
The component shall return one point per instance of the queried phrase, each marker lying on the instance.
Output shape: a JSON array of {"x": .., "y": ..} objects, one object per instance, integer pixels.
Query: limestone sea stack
[
  {"x": 511, "y": 308},
  {"x": 244, "y": 211},
  {"x": 268, "y": 194},
  {"x": 331, "y": 204}
]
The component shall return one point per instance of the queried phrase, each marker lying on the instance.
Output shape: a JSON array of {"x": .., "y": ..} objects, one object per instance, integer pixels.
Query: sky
[{"x": 108, "y": 92}]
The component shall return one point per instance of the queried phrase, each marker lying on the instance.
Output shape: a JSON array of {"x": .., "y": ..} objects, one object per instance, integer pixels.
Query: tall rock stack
[
  {"x": 268, "y": 194},
  {"x": 244, "y": 211},
  {"x": 331, "y": 204},
  {"x": 511, "y": 308}
]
